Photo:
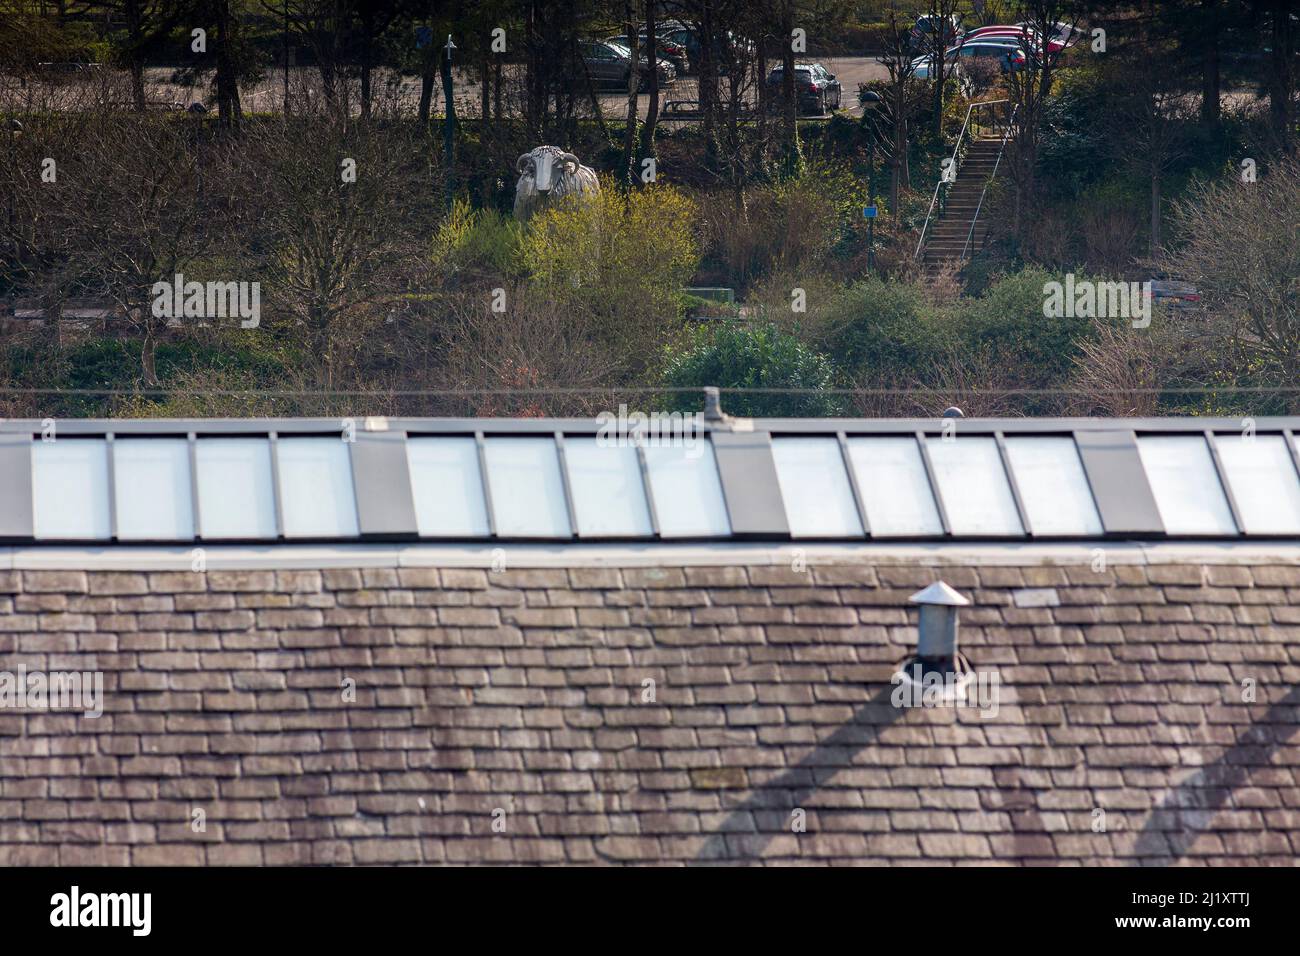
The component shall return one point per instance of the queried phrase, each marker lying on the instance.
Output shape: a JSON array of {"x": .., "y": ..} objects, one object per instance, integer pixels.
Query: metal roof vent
[
  {"x": 713, "y": 404},
  {"x": 936, "y": 645}
]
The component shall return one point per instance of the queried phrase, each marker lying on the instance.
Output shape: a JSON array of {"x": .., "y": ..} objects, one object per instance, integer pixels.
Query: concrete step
[
  {"x": 952, "y": 233},
  {"x": 950, "y": 241}
]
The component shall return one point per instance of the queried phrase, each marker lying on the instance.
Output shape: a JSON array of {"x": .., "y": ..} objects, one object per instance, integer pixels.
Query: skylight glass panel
[
  {"x": 976, "y": 494},
  {"x": 527, "y": 490},
  {"x": 609, "y": 498},
  {"x": 815, "y": 488},
  {"x": 70, "y": 489},
  {"x": 1264, "y": 482},
  {"x": 1053, "y": 486},
  {"x": 317, "y": 497},
  {"x": 1186, "y": 488},
  {"x": 151, "y": 484},
  {"x": 895, "y": 490},
  {"x": 447, "y": 486},
  {"x": 687, "y": 491},
  {"x": 236, "y": 495}
]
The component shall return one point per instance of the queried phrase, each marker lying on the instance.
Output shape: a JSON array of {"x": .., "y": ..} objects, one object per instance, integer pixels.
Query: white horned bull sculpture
[{"x": 549, "y": 173}]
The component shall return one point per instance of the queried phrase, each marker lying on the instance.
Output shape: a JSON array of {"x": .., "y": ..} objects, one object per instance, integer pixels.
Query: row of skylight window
[
  {"x": 175, "y": 489},
  {"x": 898, "y": 496},
  {"x": 973, "y": 478},
  {"x": 154, "y": 487}
]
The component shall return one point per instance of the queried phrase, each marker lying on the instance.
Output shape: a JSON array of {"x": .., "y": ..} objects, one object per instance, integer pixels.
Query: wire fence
[{"x": 587, "y": 402}]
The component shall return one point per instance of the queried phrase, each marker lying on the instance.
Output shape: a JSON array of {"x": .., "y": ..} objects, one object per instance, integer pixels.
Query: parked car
[
  {"x": 688, "y": 38},
  {"x": 1024, "y": 37},
  {"x": 611, "y": 63},
  {"x": 923, "y": 67},
  {"x": 668, "y": 51},
  {"x": 1023, "y": 33},
  {"x": 1175, "y": 293},
  {"x": 921, "y": 36},
  {"x": 1008, "y": 54},
  {"x": 817, "y": 89}
]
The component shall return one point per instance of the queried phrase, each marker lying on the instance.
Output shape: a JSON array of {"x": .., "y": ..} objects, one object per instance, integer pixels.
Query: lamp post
[
  {"x": 870, "y": 213},
  {"x": 449, "y": 122}
]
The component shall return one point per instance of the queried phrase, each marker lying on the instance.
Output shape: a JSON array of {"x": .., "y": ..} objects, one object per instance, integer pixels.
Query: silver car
[{"x": 611, "y": 63}]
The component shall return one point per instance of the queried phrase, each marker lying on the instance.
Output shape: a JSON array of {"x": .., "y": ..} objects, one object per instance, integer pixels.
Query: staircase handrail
[
  {"x": 956, "y": 151},
  {"x": 970, "y": 235}
]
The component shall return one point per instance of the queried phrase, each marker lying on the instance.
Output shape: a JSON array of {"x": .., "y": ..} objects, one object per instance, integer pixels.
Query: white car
[
  {"x": 923, "y": 65},
  {"x": 1006, "y": 52}
]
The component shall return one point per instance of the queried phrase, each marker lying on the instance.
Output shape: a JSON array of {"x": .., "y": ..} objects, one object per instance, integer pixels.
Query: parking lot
[{"x": 403, "y": 92}]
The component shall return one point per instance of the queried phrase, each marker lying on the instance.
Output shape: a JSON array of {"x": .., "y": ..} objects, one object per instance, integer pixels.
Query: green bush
[
  {"x": 620, "y": 258},
  {"x": 479, "y": 242},
  {"x": 1008, "y": 326},
  {"x": 734, "y": 355},
  {"x": 245, "y": 360},
  {"x": 799, "y": 222},
  {"x": 882, "y": 331}
]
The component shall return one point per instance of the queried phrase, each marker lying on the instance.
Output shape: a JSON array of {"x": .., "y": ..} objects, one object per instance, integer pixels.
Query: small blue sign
[
  {"x": 423, "y": 37},
  {"x": 869, "y": 212}
]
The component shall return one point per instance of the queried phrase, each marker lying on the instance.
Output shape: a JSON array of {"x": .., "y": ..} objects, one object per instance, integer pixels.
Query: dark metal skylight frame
[{"x": 742, "y": 453}]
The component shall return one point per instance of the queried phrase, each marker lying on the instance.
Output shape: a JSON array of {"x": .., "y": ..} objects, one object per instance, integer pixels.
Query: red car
[{"x": 1025, "y": 33}]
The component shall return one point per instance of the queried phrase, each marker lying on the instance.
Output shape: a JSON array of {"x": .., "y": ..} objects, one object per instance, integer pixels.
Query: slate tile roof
[{"x": 504, "y": 717}]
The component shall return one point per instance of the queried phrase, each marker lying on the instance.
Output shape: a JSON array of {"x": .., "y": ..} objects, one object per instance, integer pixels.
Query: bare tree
[
  {"x": 1282, "y": 71},
  {"x": 1116, "y": 374},
  {"x": 321, "y": 26},
  {"x": 941, "y": 13},
  {"x": 540, "y": 343},
  {"x": 337, "y": 254},
  {"x": 1152, "y": 115},
  {"x": 897, "y": 105},
  {"x": 147, "y": 23},
  {"x": 791, "y": 158},
  {"x": 1029, "y": 89},
  {"x": 126, "y": 211},
  {"x": 647, "y": 147},
  {"x": 1242, "y": 250},
  {"x": 630, "y": 29}
]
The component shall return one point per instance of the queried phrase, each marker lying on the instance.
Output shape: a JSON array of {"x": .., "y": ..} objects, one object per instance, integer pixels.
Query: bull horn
[{"x": 522, "y": 161}]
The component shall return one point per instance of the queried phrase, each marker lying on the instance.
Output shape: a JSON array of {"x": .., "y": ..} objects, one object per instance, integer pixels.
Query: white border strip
[{"x": 296, "y": 557}]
